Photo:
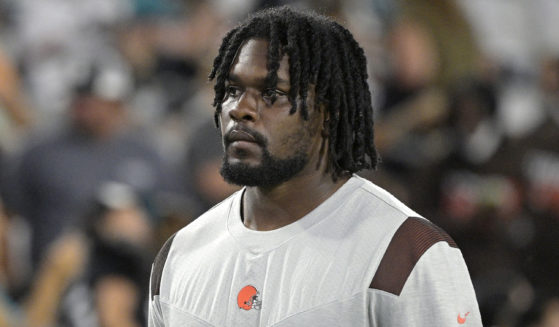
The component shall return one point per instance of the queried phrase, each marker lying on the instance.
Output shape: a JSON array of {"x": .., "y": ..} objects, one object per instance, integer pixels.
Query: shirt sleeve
[
  {"x": 155, "y": 316},
  {"x": 422, "y": 280},
  {"x": 437, "y": 292}
]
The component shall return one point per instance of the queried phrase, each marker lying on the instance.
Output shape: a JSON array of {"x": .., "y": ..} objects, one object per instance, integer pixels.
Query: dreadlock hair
[{"x": 322, "y": 53}]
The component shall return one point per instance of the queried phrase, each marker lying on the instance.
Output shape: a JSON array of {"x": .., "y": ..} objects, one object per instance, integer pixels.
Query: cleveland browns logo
[{"x": 249, "y": 298}]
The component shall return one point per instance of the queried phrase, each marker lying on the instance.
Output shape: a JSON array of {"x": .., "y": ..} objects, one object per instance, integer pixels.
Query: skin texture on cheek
[{"x": 291, "y": 136}]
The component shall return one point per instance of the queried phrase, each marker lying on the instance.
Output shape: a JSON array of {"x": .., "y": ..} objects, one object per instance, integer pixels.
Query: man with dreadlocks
[{"x": 306, "y": 242}]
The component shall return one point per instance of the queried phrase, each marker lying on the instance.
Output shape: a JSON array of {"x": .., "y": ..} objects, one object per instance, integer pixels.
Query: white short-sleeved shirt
[{"x": 361, "y": 258}]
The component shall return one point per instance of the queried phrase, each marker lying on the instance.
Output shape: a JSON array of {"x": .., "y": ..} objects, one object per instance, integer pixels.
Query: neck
[{"x": 271, "y": 208}]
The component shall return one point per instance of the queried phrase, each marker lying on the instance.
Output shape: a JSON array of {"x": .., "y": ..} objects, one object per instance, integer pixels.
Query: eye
[
  {"x": 232, "y": 91},
  {"x": 271, "y": 95}
]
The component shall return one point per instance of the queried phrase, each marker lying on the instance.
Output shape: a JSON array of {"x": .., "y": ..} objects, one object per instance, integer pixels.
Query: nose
[{"x": 246, "y": 108}]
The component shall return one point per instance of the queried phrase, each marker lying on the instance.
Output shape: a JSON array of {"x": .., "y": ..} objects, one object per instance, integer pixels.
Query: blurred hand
[
  {"x": 128, "y": 224},
  {"x": 64, "y": 261},
  {"x": 67, "y": 255}
]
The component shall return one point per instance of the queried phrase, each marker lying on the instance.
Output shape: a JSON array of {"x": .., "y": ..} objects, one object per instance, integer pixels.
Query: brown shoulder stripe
[
  {"x": 158, "y": 264},
  {"x": 411, "y": 240}
]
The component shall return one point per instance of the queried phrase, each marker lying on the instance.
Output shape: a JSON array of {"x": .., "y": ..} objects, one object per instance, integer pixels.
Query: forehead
[{"x": 251, "y": 63}]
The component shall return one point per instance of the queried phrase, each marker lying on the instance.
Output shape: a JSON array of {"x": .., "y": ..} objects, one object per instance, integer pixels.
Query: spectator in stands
[
  {"x": 97, "y": 278},
  {"x": 59, "y": 174}
]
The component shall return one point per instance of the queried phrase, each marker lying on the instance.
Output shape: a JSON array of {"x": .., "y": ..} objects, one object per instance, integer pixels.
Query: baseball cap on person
[{"x": 108, "y": 82}]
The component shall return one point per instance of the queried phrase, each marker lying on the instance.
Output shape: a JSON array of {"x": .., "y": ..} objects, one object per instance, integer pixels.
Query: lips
[
  {"x": 240, "y": 135},
  {"x": 243, "y": 135}
]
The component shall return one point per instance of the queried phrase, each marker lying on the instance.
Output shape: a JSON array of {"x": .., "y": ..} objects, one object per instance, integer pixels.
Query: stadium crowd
[{"x": 107, "y": 145}]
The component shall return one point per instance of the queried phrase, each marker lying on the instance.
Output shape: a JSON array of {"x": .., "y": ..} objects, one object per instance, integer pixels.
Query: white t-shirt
[{"x": 361, "y": 258}]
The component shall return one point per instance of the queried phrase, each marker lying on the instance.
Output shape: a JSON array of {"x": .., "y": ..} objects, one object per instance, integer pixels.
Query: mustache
[{"x": 258, "y": 138}]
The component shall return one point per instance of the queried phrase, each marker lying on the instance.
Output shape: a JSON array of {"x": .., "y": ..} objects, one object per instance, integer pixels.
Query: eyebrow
[{"x": 236, "y": 79}]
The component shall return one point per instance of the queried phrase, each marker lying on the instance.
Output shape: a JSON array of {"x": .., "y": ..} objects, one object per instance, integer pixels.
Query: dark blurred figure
[
  {"x": 97, "y": 278},
  {"x": 498, "y": 195},
  {"x": 537, "y": 159},
  {"x": 430, "y": 48},
  {"x": 59, "y": 174},
  {"x": 121, "y": 236},
  {"x": 122, "y": 248},
  {"x": 476, "y": 195},
  {"x": 527, "y": 224}
]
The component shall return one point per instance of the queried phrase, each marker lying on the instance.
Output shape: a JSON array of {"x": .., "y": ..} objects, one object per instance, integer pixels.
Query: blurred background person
[
  {"x": 59, "y": 173},
  {"x": 95, "y": 276}
]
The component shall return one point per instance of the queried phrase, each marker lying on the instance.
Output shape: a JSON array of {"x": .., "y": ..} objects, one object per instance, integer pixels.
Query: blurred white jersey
[{"x": 361, "y": 258}]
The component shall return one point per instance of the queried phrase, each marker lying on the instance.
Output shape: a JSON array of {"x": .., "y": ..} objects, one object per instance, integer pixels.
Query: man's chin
[
  {"x": 239, "y": 173},
  {"x": 269, "y": 173},
  {"x": 248, "y": 163}
]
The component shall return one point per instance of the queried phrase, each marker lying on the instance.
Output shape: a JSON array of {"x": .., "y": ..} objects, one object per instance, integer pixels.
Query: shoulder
[
  {"x": 381, "y": 199},
  {"x": 209, "y": 225},
  {"x": 206, "y": 226},
  {"x": 408, "y": 244},
  {"x": 210, "y": 222},
  {"x": 423, "y": 279},
  {"x": 406, "y": 237}
]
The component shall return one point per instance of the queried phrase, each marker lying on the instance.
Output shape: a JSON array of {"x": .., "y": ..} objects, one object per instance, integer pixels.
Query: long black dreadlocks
[{"x": 323, "y": 53}]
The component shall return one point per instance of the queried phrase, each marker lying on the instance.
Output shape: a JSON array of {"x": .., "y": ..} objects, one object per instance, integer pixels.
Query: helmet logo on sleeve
[{"x": 249, "y": 298}]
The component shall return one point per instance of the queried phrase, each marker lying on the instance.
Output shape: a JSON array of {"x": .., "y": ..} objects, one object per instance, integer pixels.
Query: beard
[{"x": 270, "y": 172}]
